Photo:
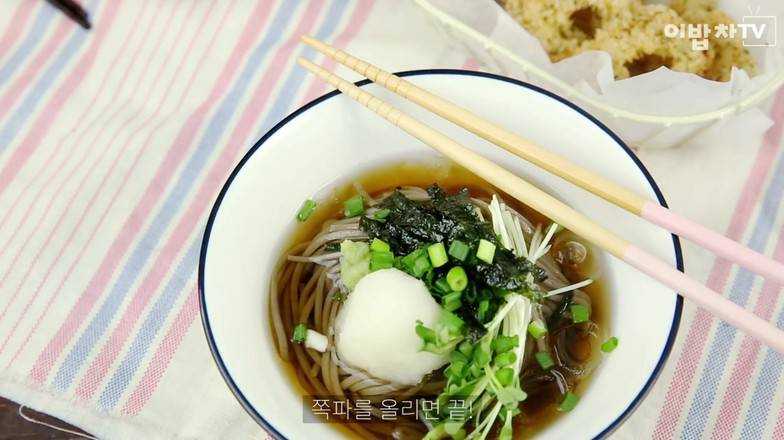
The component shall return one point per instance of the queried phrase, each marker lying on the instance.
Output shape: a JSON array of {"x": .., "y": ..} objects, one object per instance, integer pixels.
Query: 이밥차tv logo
[{"x": 754, "y": 30}]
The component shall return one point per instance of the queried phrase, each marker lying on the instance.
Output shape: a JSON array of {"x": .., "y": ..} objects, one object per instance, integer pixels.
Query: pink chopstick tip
[
  {"x": 706, "y": 298},
  {"x": 720, "y": 245}
]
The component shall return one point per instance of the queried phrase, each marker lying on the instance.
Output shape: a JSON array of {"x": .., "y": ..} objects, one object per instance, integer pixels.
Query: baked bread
[{"x": 632, "y": 32}]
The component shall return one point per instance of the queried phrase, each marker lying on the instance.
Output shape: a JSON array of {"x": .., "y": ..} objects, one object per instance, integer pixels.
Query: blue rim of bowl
[{"x": 213, "y": 213}]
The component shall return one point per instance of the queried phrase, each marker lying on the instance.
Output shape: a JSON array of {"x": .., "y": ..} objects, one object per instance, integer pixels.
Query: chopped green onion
[
  {"x": 451, "y": 301},
  {"x": 427, "y": 335},
  {"x": 466, "y": 347},
  {"x": 457, "y": 278},
  {"x": 610, "y": 344},
  {"x": 482, "y": 355},
  {"x": 457, "y": 356},
  {"x": 446, "y": 334},
  {"x": 308, "y": 206},
  {"x": 421, "y": 265},
  {"x": 486, "y": 251},
  {"x": 407, "y": 262},
  {"x": 451, "y": 306},
  {"x": 437, "y": 254},
  {"x": 455, "y": 370},
  {"x": 505, "y": 376},
  {"x": 484, "y": 307},
  {"x": 459, "y": 250},
  {"x": 300, "y": 332},
  {"x": 454, "y": 296},
  {"x": 381, "y": 214},
  {"x": 354, "y": 262},
  {"x": 579, "y": 313},
  {"x": 381, "y": 260},
  {"x": 569, "y": 402},
  {"x": 470, "y": 294},
  {"x": 544, "y": 359},
  {"x": 379, "y": 245},
  {"x": 354, "y": 206},
  {"x": 505, "y": 359},
  {"x": 451, "y": 322},
  {"x": 499, "y": 292},
  {"x": 475, "y": 370},
  {"x": 442, "y": 285},
  {"x": 502, "y": 344},
  {"x": 537, "y": 328}
]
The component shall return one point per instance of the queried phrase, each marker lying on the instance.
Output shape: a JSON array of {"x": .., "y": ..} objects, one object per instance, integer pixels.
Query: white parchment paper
[{"x": 658, "y": 109}]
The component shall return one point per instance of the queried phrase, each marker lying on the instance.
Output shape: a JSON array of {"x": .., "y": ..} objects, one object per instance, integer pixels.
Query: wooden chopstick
[
  {"x": 562, "y": 214},
  {"x": 559, "y": 165}
]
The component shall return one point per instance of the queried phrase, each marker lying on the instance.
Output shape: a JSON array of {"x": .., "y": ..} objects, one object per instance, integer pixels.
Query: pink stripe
[
  {"x": 104, "y": 149},
  {"x": 163, "y": 356},
  {"x": 778, "y": 430},
  {"x": 152, "y": 193},
  {"x": 36, "y": 229},
  {"x": 139, "y": 154},
  {"x": 50, "y": 110},
  {"x": 742, "y": 372},
  {"x": 193, "y": 215},
  {"x": 696, "y": 338},
  {"x": 14, "y": 29},
  {"x": 471, "y": 64},
  {"x": 36, "y": 64},
  {"x": 361, "y": 13},
  {"x": 155, "y": 370},
  {"x": 71, "y": 135}
]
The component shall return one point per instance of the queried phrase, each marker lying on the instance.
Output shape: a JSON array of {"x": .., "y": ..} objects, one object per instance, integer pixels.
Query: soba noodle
[{"x": 307, "y": 289}]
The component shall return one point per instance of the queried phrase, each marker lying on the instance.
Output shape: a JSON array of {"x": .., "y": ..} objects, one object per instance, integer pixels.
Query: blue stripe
[
  {"x": 149, "y": 329},
  {"x": 770, "y": 374},
  {"x": 762, "y": 400},
  {"x": 770, "y": 377},
  {"x": 283, "y": 103},
  {"x": 715, "y": 365},
  {"x": 171, "y": 206},
  {"x": 43, "y": 85},
  {"x": 173, "y": 290},
  {"x": 25, "y": 49}
]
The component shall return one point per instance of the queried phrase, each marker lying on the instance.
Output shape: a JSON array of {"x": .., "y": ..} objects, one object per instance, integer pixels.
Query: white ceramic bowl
[{"x": 333, "y": 138}]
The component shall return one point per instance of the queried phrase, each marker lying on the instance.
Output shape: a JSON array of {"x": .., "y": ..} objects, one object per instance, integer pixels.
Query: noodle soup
[{"x": 422, "y": 283}]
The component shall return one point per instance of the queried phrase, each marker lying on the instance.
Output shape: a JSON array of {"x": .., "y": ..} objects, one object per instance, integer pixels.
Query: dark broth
[{"x": 540, "y": 410}]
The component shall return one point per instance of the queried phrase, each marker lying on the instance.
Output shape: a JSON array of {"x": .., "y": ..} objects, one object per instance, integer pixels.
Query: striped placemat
[
  {"x": 722, "y": 383},
  {"x": 113, "y": 146}
]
